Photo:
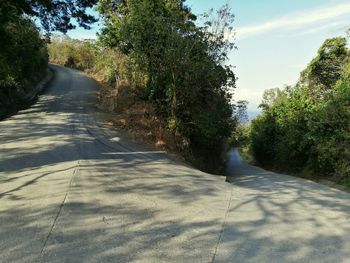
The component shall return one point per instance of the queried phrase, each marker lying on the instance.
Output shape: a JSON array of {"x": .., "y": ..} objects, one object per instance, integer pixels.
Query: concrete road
[
  {"x": 280, "y": 218},
  {"x": 71, "y": 190}
]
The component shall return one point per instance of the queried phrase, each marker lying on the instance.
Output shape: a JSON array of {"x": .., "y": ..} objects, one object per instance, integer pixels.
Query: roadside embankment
[{"x": 15, "y": 98}]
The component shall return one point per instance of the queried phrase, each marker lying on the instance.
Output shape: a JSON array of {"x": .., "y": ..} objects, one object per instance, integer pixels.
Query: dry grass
[
  {"x": 142, "y": 123},
  {"x": 139, "y": 119}
]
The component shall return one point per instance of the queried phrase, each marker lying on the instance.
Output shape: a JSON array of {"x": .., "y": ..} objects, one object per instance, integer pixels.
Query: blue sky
[{"x": 275, "y": 39}]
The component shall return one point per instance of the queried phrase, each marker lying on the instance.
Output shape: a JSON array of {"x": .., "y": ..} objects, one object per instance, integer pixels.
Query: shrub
[
  {"x": 307, "y": 127},
  {"x": 23, "y": 56}
]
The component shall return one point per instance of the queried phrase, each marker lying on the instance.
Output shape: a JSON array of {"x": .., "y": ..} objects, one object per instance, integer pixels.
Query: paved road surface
[
  {"x": 280, "y": 218},
  {"x": 72, "y": 191}
]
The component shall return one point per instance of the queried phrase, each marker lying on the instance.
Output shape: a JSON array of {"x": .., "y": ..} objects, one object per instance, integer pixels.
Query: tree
[
  {"x": 143, "y": 29},
  {"x": 240, "y": 112},
  {"x": 23, "y": 57},
  {"x": 187, "y": 76},
  {"x": 270, "y": 96},
  {"x": 326, "y": 68},
  {"x": 305, "y": 128},
  {"x": 22, "y": 51},
  {"x": 55, "y": 15}
]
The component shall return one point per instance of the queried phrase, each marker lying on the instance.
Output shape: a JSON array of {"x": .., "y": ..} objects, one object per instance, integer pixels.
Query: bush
[
  {"x": 155, "y": 48},
  {"x": 23, "y": 56},
  {"x": 306, "y": 128},
  {"x": 72, "y": 53},
  {"x": 185, "y": 69}
]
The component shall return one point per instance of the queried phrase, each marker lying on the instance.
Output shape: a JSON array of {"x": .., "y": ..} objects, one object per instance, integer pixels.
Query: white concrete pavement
[
  {"x": 281, "y": 218},
  {"x": 70, "y": 193},
  {"x": 73, "y": 191}
]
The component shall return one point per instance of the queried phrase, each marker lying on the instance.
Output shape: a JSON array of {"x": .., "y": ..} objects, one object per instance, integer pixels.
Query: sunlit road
[
  {"x": 280, "y": 218},
  {"x": 73, "y": 191}
]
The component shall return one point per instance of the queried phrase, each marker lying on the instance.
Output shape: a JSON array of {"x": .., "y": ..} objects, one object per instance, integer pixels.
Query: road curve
[{"x": 73, "y": 191}]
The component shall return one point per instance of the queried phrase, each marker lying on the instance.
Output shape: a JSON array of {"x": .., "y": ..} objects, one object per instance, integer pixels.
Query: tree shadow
[
  {"x": 280, "y": 218},
  {"x": 71, "y": 194}
]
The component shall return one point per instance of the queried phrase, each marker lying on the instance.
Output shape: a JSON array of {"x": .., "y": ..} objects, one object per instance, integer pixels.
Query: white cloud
[
  {"x": 336, "y": 26},
  {"x": 251, "y": 95},
  {"x": 296, "y": 21}
]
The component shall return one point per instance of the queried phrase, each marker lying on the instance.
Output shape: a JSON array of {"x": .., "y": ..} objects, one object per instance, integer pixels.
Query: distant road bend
[{"x": 73, "y": 191}]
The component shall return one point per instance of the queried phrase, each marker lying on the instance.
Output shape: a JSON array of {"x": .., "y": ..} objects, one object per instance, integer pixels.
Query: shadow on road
[
  {"x": 280, "y": 218},
  {"x": 70, "y": 194}
]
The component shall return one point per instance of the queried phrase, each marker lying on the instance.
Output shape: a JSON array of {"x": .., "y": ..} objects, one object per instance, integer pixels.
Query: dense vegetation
[
  {"x": 23, "y": 52},
  {"x": 55, "y": 15},
  {"x": 156, "y": 47},
  {"x": 306, "y": 128},
  {"x": 23, "y": 56},
  {"x": 184, "y": 67}
]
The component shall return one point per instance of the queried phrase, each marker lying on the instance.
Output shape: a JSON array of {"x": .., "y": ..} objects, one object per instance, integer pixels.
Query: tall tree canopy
[
  {"x": 185, "y": 65},
  {"x": 307, "y": 127},
  {"x": 55, "y": 15},
  {"x": 326, "y": 68}
]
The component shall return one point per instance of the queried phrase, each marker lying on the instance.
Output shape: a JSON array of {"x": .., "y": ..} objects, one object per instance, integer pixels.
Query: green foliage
[
  {"x": 23, "y": 53},
  {"x": 263, "y": 134},
  {"x": 55, "y": 15},
  {"x": 184, "y": 66},
  {"x": 332, "y": 131},
  {"x": 326, "y": 68},
  {"x": 240, "y": 112},
  {"x": 241, "y": 135},
  {"x": 113, "y": 67},
  {"x": 23, "y": 56},
  {"x": 72, "y": 53},
  {"x": 306, "y": 127},
  {"x": 107, "y": 65}
]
